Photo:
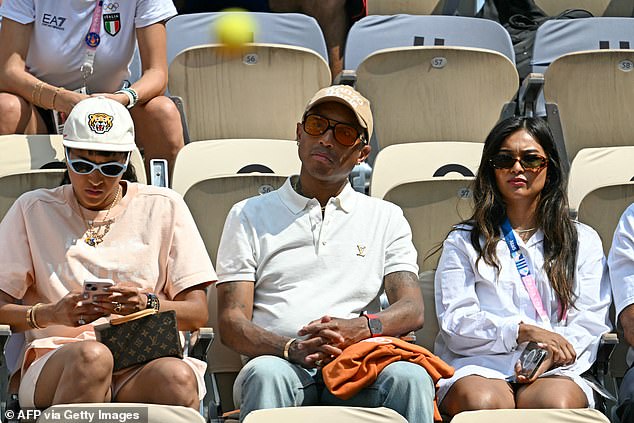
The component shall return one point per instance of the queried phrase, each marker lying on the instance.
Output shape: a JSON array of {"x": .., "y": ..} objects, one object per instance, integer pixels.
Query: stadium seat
[
  {"x": 596, "y": 167},
  {"x": 557, "y": 37},
  {"x": 184, "y": 31},
  {"x": 430, "y": 181},
  {"x": 589, "y": 98},
  {"x": 421, "y": 7},
  {"x": 23, "y": 153},
  {"x": 401, "y": 163},
  {"x": 207, "y": 175},
  {"x": 255, "y": 94},
  {"x": 580, "y": 415},
  {"x": 374, "y": 33},
  {"x": 321, "y": 414},
  {"x": 212, "y": 158},
  {"x": 431, "y": 207},
  {"x": 596, "y": 7},
  {"x": 436, "y": 93},
  {"x": 602, "y": 208}
]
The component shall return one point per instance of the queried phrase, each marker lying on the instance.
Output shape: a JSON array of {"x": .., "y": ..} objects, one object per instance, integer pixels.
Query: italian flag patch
[{"x": 112, "y": 23}]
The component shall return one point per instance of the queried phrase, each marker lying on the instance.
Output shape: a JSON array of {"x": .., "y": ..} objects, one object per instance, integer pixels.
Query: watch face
[{"x": 376, "y": 328}]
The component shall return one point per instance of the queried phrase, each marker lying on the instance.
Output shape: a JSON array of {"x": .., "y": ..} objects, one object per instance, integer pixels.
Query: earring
[{"x": 298, "y": 143}]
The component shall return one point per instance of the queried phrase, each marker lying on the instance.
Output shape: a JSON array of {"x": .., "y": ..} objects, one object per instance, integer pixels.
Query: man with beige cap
[{"x": 301, "y": 270}]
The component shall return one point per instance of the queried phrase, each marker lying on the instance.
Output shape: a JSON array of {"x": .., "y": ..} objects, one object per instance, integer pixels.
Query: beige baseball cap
[
  {"x": 350, "y": 97},
  {"x": 101, "y": 124}
]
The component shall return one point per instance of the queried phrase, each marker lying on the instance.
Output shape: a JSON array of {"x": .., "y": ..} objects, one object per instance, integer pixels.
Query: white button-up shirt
[{"x": 479, "y": 310}]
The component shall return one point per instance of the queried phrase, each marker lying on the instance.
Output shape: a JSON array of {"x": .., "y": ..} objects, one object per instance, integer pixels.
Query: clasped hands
[{"x": 325, "y": 339}]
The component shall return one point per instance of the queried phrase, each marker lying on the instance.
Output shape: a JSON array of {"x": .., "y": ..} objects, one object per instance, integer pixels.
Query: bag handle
[{"x": 133, "y": 316}]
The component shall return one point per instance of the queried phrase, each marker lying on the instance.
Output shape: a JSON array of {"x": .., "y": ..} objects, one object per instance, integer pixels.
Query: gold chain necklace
[{"x": 94, "y": 236}]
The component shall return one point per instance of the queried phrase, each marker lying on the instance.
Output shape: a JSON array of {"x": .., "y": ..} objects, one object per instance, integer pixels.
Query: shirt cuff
[{"x": 510, "y": 331}]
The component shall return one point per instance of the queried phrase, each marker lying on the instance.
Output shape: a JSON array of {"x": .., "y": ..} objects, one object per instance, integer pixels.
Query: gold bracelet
[
  {"x": 39, "y": 94},
  {"x": 30, "y": 317},
  {"x": 33, "y": 320},
  {"x": 287, "y": 347},
  {"x": 58, "y": 89},
  {"x": 36, "y": 87}
]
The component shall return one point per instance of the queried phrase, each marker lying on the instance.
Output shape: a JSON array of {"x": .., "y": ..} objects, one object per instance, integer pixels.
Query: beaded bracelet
[
  {"x": 152, "y": 302},
  {"x": 133, "y": 96}
]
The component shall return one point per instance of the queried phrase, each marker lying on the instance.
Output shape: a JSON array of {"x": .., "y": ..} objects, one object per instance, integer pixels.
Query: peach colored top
[{"x": 153, "y": 242}]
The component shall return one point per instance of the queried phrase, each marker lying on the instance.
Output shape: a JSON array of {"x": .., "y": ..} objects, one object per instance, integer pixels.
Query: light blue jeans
[{"x": 272, "y": 382}]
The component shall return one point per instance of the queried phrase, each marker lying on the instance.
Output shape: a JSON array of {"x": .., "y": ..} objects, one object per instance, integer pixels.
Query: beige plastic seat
[
  {"x": 400, "y": 163},
  {"x": 581, "y": 415},
  {"x": 602, "y": 208},
  {"x": 254, "y": 93},
  {"x": 23, "y": 153},
  {"x": 211, "y": 158},
  {"x": 596, "y": 167},
  {"x": 14, "y": 185},
  {"x": 434, "y": 93},
  {"x": 594, "y": 92},
  {"x": 148, "y": 413},
  {"x": 596, "y": 7},
  {"x": 205, "y": 173},
  {"x": 429, "y": 181},
  {"x": 323, "y": 414}
]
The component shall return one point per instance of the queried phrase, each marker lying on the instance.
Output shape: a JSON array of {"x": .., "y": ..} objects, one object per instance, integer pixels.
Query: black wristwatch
[
  {"x": 152, "y": 302},
  {"x": 375, "y": 325}
]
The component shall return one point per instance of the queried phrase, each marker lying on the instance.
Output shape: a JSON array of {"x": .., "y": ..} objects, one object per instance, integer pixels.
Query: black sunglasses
[
  {"x": 532, "y": 162},
  {"x": 345, "y": 134}
]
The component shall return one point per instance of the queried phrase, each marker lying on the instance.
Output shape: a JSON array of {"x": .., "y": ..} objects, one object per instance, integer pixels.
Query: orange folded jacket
[{"x": 359, "y": 365}]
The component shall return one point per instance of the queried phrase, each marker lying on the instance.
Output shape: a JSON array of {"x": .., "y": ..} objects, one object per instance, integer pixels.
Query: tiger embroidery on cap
[{"x": 99, "y": 122}]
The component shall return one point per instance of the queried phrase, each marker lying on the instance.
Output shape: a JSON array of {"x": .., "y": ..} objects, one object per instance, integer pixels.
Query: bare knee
[
  {"x": 465, "y": 396},
  {"x": 180, "y": 383},
  {"x": 15, "y": 113},
  {"x": 92, "y": 360}
]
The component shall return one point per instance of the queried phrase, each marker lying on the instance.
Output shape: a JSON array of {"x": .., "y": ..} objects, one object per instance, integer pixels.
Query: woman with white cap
[{"x": 100, "y": 226}]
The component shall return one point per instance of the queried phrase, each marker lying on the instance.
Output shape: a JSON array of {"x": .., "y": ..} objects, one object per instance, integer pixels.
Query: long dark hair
[{"x": 552, "y": 216}]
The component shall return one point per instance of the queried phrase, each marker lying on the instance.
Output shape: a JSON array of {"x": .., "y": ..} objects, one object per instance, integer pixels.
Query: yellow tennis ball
[{"x": 235, "y": 28}]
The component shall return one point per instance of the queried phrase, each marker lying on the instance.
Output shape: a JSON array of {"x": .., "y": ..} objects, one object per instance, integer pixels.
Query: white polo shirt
[
  {"x": 57, "y": 46},
  {"x": 304, "y": 266}
]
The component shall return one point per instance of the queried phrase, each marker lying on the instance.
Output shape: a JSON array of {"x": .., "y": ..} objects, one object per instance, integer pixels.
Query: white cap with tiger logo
[{"x": 101, "y": 124}]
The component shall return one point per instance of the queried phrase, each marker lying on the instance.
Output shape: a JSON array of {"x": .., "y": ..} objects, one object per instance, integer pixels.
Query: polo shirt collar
[{"x": 346, "y": 200}]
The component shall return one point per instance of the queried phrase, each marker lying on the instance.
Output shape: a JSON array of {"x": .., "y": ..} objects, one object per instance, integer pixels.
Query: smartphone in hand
[
  {"x": 532, "y": 357},
  {"x": 96, "y": 286}
]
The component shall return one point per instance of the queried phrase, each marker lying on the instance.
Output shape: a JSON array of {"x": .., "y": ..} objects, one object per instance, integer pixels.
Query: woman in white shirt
[{"x": 486, "y": 315}]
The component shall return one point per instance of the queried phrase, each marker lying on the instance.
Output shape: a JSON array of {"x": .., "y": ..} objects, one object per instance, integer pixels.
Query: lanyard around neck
[
  {"x": 92, "y": 41},
  {"x": 525, "y": 272}
]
